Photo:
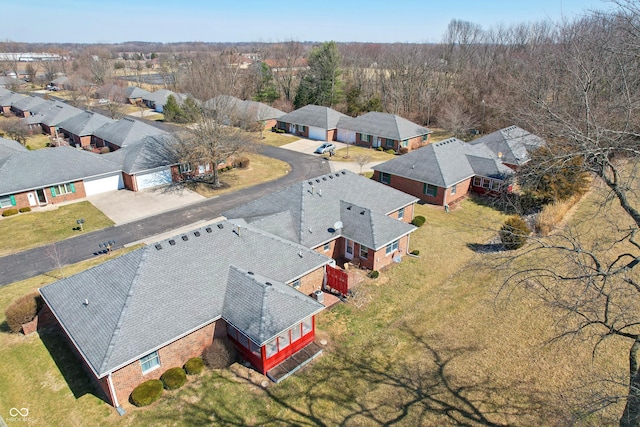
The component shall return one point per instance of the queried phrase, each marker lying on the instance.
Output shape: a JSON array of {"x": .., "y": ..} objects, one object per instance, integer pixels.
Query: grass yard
[
  {"x": 56, "y": 391},
  {"x": 427, "y": 343},
  {"x": 28, "y": 230},
  {"x": 277, "y": 139},
  {"x": 37, "y": 141},
  {"x": 261, "y": 169},
  {"x": 354, "y": 152}
]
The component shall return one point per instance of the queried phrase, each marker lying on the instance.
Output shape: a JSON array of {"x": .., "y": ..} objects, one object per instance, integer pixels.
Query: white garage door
[
  {"x": 317, "y": 133},
  {"x": 348, "y": 136},
  {"x": 154, "y": 179},
  {"x": 102, "y": 185}
]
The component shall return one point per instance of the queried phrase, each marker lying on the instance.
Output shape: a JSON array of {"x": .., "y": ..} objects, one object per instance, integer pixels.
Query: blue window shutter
[
  {"x": 13, "y": 200},
  {"x": 73, "y": 187},
  {"x": 53, "y": 192}
]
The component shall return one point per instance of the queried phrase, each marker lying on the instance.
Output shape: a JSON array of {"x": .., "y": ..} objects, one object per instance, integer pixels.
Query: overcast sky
[{"x": 114, "y": 21}]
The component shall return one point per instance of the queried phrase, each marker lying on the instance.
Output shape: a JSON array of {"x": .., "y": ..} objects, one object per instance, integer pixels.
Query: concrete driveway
[
  {"x": 125, "y": 206},
  {"x": 308, "y": 146}
]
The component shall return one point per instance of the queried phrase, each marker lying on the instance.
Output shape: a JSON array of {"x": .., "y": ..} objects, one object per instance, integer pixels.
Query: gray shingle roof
[
  {"x": 513, "y": 143},
  {"x": 385, "y": 125},
  {"x": 446, "y": 163},
  {"x": 306, "y": 212},
  {"x": 59, "y": 113},
  {"x": 160, "y": 96},
  {"x": 28, "y": 102},
  {"x": 7, "y": 100},
  {"x": 42, "y": 107},
  {"x": 9, "y": 147},
  {"x": 149, "y": 153},
  {"x": 263, "y": 308},
  {"x": 54, "y": 165},
  {"x": 85, "y": 123},
  {"x": 442, "y": 164},
  {"x": 257, "y": 111},
  {"x": 135, "y": 92},
  {"x": 126, "y": 131},
  {"x": 149, "y": 297},
  {"x": 314, "y": 115},
  {"x": 4, "y": 91}
]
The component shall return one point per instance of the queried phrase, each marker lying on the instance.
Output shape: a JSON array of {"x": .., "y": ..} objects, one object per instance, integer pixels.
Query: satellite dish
[{"x": 338, "y": 225}]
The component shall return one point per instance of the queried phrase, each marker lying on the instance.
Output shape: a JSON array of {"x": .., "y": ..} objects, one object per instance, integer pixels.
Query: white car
[
  {"x": 327, "y": 147},
  {"x": 103, "y": 101}
]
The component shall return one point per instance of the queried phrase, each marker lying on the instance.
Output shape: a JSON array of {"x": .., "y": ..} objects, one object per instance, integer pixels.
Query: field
[{"x": 427, "y": 343}]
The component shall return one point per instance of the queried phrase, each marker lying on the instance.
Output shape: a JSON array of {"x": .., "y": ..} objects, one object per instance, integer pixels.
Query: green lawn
[
  {"x": 353, "y": 153},
  {"x": 37, "y": 228},
  {"x": 37, "y": 141}
]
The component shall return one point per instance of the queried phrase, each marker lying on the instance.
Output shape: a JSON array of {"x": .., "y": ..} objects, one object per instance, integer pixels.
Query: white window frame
[
  {"x": 271, "y": 348},
  {"x": 295, "y": 284},
  {"x": 427, "y": 187},
  {"x": 364, "y": 252},
  {"x": 326, "y": 247},
  {"x": 5, "y": 202},
  {"x": 63, "y": 189},
  {"x": 392, "y": 247},
  {"x": 477, "y": 181},
  {"x": 152, "y": 357},
  {"x": 365, "y": 137},
  {"x": 307, "y": 326},
  {"x": 185, "y": 168},
  {"x": 401, "y": 213},
  {"x": 454, "y": 188}
]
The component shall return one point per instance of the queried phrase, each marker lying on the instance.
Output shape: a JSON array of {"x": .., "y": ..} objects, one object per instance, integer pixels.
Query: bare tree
[
  {"x": 209, "y": 143},
  {"x": 14, "y": 128},
  {"x": 582, "y": 93},
  {"x": 288, "y": 62},
  {"x": 362, "y": 160}
]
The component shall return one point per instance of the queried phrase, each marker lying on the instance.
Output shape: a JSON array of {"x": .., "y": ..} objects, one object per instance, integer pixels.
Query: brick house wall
[
  {"x": 22, "y": 199},
  {"x": 416, "y": 188},
  {"x": 172, "y": 355},
  {"x": 312, "y": 281},
  {"x": 129, "y": 182},
  {"x": 332, "y": 252},
  {"x": 380, "y": 259},
  {"x": 332, "y": 134}
]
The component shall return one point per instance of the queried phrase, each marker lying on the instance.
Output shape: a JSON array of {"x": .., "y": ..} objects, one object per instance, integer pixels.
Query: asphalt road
[{"x": 40, "y": 260}]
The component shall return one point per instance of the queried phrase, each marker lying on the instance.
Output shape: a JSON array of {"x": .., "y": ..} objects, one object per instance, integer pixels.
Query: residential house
[
  {"x": 343, "y": 215},
  {"x": 23, "y": 107},
  {"x": 122, "y": 133},
  {"x": 80, "y": 128},
  {"x": 313, "y": 122},
  {"x": 50, "y": 120},
  {"x": 7, "y": 100},
  {"x": 132, "y": 318},
  {"x": 55, "y": 175},
  {"x": 234, "y": 111},
  {"x": 135, "y": 95},
  {"x": 158, "y": 99},
  {"x": 512, "y": 144},
  {"x": 9, "y": 147},
  {"x": 385, "y": 130},
  {"x": 443, "y": 172}
]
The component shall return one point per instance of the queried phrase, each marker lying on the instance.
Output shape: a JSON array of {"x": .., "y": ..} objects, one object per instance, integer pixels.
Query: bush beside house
[
  {"x": 23, "y": 310},
  {"x": 147, "y": 393},
  {"x": 173, "y": 378}
]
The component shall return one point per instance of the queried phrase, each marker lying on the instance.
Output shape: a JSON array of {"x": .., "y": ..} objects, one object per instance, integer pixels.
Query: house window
[
  {"x": 271, "y": 347},
  {"x": 486, "y": 183},
  {"x": 58, "y": 190},
  {"x": 283, "y": 340},
  {"x": 454, "y": 187},
  {"x": 295, "y": 284},
  {"x": 150, "y": 362},
  {"x": 425, "y": 137},
  {"x": 385, "y": 178},
  {"x": 6, "y": 201},
  {"x": 405, "y": 143},
  {"x": 255, "y": 349},
  {"x": 185, "y": 167},
  {"x": 477, "y": 181},
  {"x": 326, "y": 247},
  {"x": 365, "y": 138},
  {"x": 364, "y": 252},
  {"x": 495, "y": 185},
  {"x": 392, "y": 247},
  {"x": 389, "y": 143},
  {"x": 401, "y": 213},
  {"x": 307, "y": 326},
  {"x": 301, "y": 128},
  {"x": 430, "y": 190},
  {"x": 296, "y": 333}
]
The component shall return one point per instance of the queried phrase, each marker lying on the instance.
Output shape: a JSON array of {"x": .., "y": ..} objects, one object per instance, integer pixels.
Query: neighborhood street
[{"x": 40, "y": 260}]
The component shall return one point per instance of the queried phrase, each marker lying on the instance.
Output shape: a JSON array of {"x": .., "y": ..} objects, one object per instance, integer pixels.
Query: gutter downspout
[{"x": 114, "y": 396}]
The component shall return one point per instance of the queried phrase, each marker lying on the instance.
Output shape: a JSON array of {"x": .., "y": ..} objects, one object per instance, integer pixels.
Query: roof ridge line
[{"x": 115, "y": 334}]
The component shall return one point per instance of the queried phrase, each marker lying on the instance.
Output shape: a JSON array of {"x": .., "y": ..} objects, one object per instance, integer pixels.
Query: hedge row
[{"x": 174, "y": 378}]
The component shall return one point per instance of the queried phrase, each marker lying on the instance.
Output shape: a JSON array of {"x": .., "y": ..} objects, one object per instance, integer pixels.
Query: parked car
[
  {"x": 103, "y": 101},
  {"x": 52, "y": 87},
  {"x": 327, "y": 147}
]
